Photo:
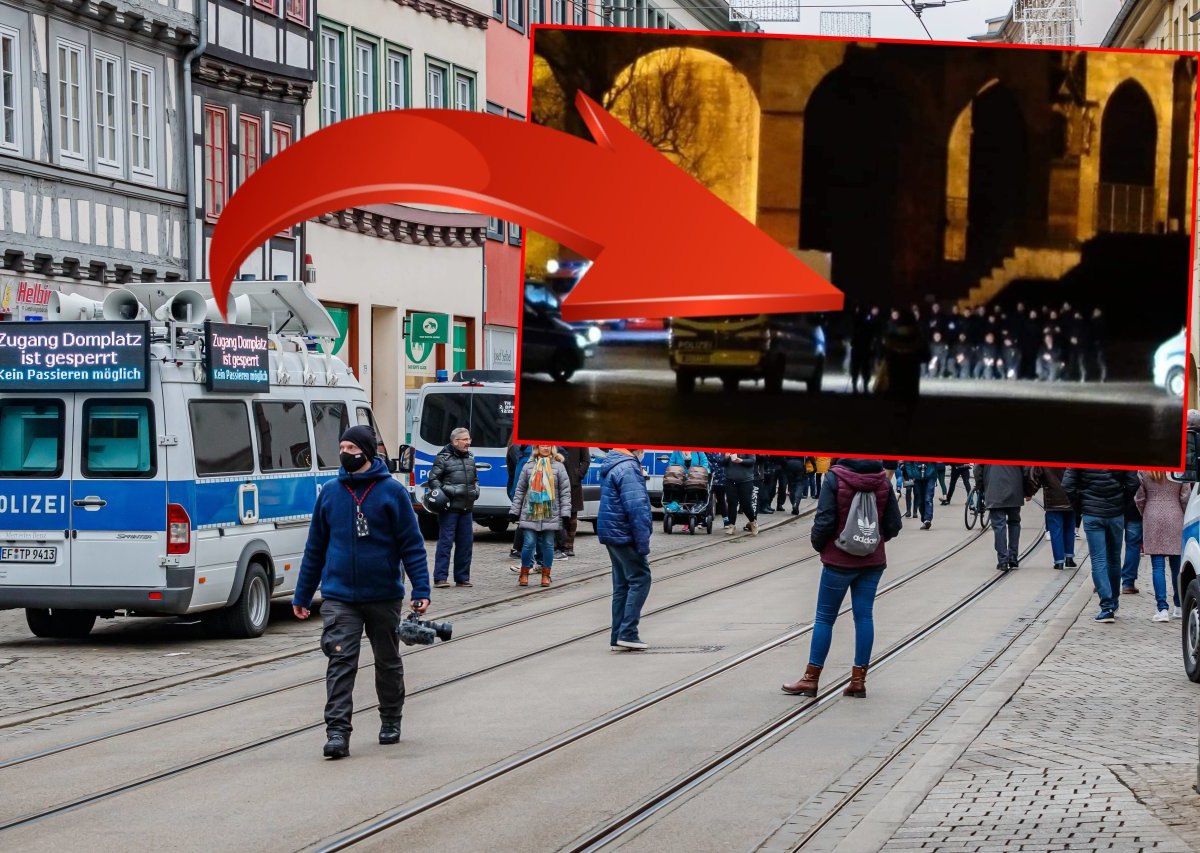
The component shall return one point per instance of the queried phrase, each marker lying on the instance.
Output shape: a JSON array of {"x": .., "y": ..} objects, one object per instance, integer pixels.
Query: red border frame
[{"x": 517, "y": 437}]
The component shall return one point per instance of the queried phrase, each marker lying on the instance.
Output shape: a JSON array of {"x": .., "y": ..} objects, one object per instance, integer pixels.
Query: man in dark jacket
[
  {"x": 923, "y": 476},
  {"x": 1004, "y": 490},
  {"x": 514, "y": 461},
  {"x": 577, "y": 461},
  {"x": 623, "y": 526},
  {"x": 958, "y": 471},
  {"x": 362, "y": 540},
  {"x": 739, "y": 491},
  {"x": 1100, "y": 496},
  {"x": 1060, "y": 514},
  {"x": 454, "y": 473}
]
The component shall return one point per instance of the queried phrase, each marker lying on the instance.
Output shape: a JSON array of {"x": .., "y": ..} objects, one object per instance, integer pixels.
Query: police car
[{"x": 153, "y": 463}]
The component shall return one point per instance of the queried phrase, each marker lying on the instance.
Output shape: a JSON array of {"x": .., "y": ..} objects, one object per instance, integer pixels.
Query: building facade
[
  {"x": 377, "y": 265},
  {"x": 93, "y": 178}
]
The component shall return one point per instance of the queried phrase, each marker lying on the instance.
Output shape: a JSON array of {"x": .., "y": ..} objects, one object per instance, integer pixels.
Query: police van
[
  {"x": 1189, "y": 573},
  {"x": 155, "y": 464},
  {"x": 484, "y": 403}
]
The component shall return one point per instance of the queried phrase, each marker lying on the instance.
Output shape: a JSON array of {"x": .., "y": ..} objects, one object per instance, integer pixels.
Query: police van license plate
[{"x": 24, "y": 554}]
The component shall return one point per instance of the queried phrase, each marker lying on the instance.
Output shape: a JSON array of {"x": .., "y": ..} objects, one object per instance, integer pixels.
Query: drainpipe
[{"x": 189, "y": 138}]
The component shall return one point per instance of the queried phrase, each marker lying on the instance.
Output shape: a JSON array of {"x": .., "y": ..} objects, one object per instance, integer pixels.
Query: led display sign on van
[
  {"x": 236, "y": 358},
  {"x": 59, "y": 357}
]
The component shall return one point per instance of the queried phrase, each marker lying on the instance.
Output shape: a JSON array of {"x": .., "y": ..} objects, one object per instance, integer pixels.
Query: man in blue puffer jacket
[
  {"x": 362, "y": 540},
  {"x": 623, "y": 526}
]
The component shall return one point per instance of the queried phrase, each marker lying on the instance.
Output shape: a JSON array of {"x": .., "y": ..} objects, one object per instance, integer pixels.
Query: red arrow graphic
[{"x": 662, "y": 244}]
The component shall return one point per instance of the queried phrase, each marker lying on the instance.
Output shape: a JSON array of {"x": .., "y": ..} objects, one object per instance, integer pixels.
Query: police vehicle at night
[{"x": 152, "y": 463}]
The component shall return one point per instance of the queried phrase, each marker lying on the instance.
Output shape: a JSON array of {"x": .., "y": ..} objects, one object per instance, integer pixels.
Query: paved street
[
  {"x": 981, "y": 731},
  {"x": 627, "y": 396}
]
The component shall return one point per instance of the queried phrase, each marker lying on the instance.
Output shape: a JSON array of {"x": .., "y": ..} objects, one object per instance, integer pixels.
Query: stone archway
[
  {"x": 1128, "y": 161},
  {"x": 997, "y": 187}
]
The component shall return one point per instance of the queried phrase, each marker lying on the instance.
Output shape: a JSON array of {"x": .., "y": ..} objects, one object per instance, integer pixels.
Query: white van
[
  {"x": 1189, "y": 573},
  {"x": 164, "y": 493}
]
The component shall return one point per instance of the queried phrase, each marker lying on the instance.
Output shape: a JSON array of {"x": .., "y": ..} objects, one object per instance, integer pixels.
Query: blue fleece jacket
[
  {"x": 625, "y": 515},
  {"x": 372, "y": 568}
]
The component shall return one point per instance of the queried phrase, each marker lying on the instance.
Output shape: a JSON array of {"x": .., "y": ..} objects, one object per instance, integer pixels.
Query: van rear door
[
  {"x": 35, "y": 491},
  {"x": 119, "y": 499}
]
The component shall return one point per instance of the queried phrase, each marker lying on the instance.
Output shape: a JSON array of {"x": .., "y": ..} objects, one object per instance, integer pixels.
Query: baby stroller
[{"x": 687, "y": 498}]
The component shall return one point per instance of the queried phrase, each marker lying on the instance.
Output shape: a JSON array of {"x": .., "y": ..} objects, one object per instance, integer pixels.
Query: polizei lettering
[{"x": 32, "y": 504}]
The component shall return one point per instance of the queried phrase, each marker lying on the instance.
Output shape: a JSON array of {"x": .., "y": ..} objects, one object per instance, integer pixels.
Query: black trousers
[
  {"x": 341, "y": 640},
  {"x": 740, "y": 496},
  {"x": 955, "y": 475}
]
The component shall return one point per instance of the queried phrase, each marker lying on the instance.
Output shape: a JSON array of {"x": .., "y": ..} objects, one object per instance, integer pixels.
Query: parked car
[
  {"x": 1170, "y": 365},
  {"x": 548, "y": 344},
  {"x": 770, "y": 347}
]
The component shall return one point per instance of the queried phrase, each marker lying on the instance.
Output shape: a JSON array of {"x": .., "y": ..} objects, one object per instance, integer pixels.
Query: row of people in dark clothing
[{"x": 1046, "y": 344}]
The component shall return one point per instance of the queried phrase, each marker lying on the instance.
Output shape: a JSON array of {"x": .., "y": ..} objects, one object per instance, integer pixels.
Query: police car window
[
  {"x": 31, "y": 439},
  {"x": 283, "y": 443},
  {"x": 329, "y": 422},
  {"x": 443, "y": 413},
  {"x": 491, "y": 421},
  {"x": 117, "y": 439},
  {"x": 221, "y": 437}
]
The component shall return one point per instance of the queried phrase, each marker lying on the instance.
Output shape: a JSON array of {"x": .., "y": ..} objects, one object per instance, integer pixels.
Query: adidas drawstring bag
[{"x": 860, "y": 536}]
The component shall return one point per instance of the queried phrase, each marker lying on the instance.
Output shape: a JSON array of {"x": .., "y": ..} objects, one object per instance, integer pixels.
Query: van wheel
[
  {"x": 60, "y": 624},
  {"x": 685, "y": 383},
  {"x": 1191, "y": 630},
  {"x": 248, "y": 616},
  {"x": 1175, "y": 382}
]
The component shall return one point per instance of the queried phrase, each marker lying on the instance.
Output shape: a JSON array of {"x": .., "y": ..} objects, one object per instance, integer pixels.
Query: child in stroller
[{"x": 687, "y": 491}]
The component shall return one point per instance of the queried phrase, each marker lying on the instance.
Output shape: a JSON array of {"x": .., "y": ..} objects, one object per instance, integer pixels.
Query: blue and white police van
[
  {"x": 484, "y": 403},
  {"x": 1189, "y": 573},
  {"x": 152, "y": 463}
]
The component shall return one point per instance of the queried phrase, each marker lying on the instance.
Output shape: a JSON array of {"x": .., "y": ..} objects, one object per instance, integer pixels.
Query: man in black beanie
[{"x": 362, "y": 540}]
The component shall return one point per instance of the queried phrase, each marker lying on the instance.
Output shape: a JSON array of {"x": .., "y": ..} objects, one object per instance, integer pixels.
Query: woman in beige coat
[
  {"x": 1161, "y": 501},
  {"x": 541, "y": 500}
]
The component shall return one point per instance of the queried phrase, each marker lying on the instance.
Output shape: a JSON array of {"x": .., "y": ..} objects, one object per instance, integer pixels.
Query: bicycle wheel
[
  {"x": 985, "y": 518},
  {"x": 969, "y": 509}
]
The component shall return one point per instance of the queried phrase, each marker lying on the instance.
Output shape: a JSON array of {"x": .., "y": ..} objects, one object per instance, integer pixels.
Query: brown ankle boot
[
  {"x": 858, "y": 683},
  {"x": 524, "y": 579},
  {"x": 806, "y": 686},
  {"x": 545, "y": 577}
]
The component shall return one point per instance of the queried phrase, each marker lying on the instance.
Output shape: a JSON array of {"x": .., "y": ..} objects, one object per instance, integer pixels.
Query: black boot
[
  {"x": 389, "y": 732},
  {"x": 338, "y": 745}
]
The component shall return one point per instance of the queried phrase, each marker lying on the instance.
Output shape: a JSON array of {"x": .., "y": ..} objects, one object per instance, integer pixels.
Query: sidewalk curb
[{"x": 879, "y": 824}]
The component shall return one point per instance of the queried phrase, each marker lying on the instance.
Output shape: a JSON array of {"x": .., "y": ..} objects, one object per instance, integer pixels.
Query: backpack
[{"x": 861, "y": 536}]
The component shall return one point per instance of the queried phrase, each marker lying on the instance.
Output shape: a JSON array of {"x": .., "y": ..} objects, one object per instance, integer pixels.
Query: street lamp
[{"x": 552, "y": 266}]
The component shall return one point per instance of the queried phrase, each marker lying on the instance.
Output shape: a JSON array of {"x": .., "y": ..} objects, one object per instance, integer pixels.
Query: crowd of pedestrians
[{"x": 1046, "y": 344}]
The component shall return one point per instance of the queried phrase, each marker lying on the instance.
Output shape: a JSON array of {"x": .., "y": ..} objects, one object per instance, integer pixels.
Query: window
[
  {"x": 516, "y": 14},
  {"x": 364, "y": 77},
  {"x": 435, "y": 97},
  {"x": 221, "y": 437},
  {"x": 10, "y": 85},
  {"x": 464, "y": 92},
  {"x": 330, "y": 420},
  {"x": 105, "y": 81},
  {"x": 558, "y": 11},
  {"x": 297, "y": 10},
  {"x": 31, "y": 438},
  {"x": 331, "y": 77},
  {"x": 266, "y": 5},
  {"x": 580, "y": 12},
  {"x": 489, "y": 417},
  {"x": 117, "y": 439},
  {"x": 492, "y": 420},
  {"x": 70, "y": 100},
  {"x": 141, "y": 123},
  {"x": 535, "y": 12},
  {"x": 365, "y": 418},
  {"x": 397, "y": 79},
  {"x": 216, "y": 163},
  {"x": 498, "y": 9},
  {"x": 249, "y": 145},
  {"x": 444, "y": 413},
  {"x": 281, "y": 137},
  {"x": 282, "y": 436}
]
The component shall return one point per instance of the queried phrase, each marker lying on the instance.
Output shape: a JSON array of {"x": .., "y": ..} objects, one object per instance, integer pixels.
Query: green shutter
[
  {"x": 460, "y": 348},
  {"x": 341, "y": 319}
]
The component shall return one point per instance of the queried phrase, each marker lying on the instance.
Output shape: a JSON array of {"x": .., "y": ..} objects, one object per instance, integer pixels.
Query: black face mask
[{"x": 352, "y": 461}]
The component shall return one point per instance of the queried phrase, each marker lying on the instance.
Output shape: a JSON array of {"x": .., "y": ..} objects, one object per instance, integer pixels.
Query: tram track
[
  {"x": 458, "y": 789},
  {"x": 154, "y": 685}
]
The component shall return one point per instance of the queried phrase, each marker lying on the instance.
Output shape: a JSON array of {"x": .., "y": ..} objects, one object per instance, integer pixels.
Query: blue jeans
[
  {"x": 543, "y": 541},
  {"x": 455, "y": 530},
  {"x": 862, "y": 584},
  {"x": 631, "y": 585},
  {"x": 1060, "y": 523},
  {"x": 1133, "y": 552},
  {"x": 1158, "y": 565},
  {"x": 1104, "y": 543},
  {"x": 923, "y": 494}
]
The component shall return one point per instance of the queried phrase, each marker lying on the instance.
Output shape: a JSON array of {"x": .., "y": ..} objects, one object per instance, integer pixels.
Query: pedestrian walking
[
  {"x": 1060, "y": 514},
  {"x": 577, "y": 461},
  {"x": 455, "y": 474},
  {"x": 1004, "y": 488},
  {"x": 769, "y": 475},
  {"x": 958, "y": 471},
  {"x": 1162, "y": 502},
  {"x": 810, "y": 477},
  {"x": 922, "y": 475},
  {"x": 1100, "y": 496},
  {"x": 717, "y": 463},
  {"x": 541, "y": 500},
  {"x": 623, "y": 526},
  {"x": 905, "y": 352},
  {"x": 1133, "y": 549},
  {"x": 846, "y": 564},
  {"x": 794, "y": 471},
  {"x": 739, "y": 491},
  {"x": 823, "y": 463},
  {"x": 362, "y": 540}
]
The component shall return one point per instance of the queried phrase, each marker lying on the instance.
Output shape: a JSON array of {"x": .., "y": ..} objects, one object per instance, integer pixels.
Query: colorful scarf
[{"x": 539, "y": 506}]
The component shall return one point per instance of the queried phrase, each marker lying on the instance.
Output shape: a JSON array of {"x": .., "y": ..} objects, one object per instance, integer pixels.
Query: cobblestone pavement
[
  {"x": 132, "y": 654},
  {"x": 1095, "y": 751}
]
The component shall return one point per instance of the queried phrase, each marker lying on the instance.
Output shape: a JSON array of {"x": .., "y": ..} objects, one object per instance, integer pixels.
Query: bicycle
[{"x": 975, "y": 510}]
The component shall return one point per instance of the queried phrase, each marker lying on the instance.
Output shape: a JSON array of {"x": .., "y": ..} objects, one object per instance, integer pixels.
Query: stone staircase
[{"x": 1024, "y": 262}]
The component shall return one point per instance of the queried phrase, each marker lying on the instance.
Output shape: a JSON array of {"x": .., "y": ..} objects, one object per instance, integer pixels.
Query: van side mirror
[{"x": 404, "y": 462}]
